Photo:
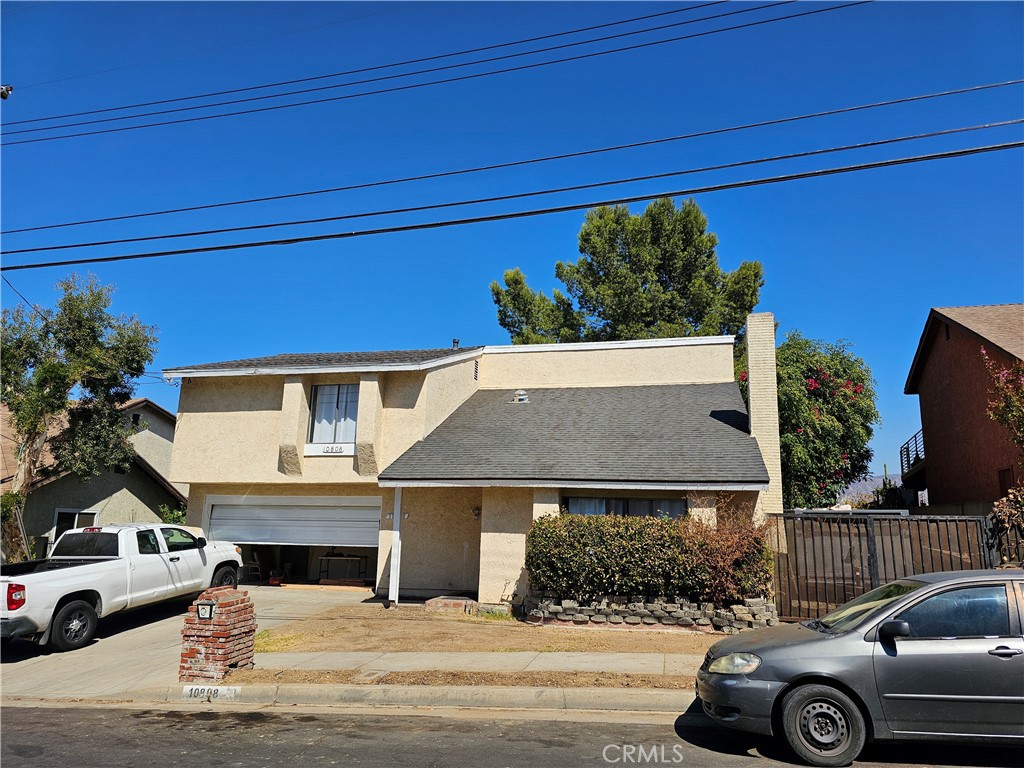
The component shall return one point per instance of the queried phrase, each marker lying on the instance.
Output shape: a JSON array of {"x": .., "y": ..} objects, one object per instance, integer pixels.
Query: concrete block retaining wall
[{"x": 752, "y": 613}]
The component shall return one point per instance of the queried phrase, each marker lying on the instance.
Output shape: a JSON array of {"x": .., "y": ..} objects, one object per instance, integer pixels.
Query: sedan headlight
[{"x": 735, "y": 664}]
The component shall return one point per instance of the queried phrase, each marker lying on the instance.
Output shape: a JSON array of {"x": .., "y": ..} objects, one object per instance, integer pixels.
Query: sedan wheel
[{"x": 823, "y": 726}]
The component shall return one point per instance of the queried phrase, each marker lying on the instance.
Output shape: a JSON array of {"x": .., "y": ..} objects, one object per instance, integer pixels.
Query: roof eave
[
  {"x": 634, "y": 485},
  {"x": 178, "y": 373}
]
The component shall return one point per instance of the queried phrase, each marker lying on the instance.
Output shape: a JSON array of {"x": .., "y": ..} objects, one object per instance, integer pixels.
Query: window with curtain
[
  {"x": 333, "y": 416},
  {"x": 580, "y": 505}
]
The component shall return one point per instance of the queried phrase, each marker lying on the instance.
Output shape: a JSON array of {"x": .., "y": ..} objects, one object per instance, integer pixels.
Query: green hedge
[{"x": 583, "y": 558}]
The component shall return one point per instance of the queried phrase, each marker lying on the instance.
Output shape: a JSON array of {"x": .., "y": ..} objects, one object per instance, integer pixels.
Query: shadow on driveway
[{"x": 111, "y": 626}]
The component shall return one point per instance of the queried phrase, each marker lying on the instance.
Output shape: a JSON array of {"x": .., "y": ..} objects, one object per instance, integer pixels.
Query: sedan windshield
[{"x": 846, "y": 616}]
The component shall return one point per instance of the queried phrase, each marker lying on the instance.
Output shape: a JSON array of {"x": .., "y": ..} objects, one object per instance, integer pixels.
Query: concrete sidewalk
[{"x": 136, "y": 660}]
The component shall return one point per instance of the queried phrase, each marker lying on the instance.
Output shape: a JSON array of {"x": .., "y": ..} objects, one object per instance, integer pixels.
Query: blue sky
[{"x": 860, "y": 256}]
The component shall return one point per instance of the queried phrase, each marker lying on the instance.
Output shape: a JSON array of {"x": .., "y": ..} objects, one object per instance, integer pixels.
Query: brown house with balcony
[{"x": 962, "y": 457}]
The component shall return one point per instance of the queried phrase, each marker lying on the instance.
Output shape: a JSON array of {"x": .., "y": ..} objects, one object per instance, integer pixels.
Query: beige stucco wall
[
  {"x": 505, "y": 521},
  {"x": 415, "y": 403},
  {"x": 128, "y": 498},
  {"x": 556, "y": 366},
  {"x": 253, "y": 429},
  {"x": 440, "y": 541}
]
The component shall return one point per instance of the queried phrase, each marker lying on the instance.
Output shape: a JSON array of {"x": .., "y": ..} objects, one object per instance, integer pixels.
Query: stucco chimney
[{"x": 763, "y": 390}]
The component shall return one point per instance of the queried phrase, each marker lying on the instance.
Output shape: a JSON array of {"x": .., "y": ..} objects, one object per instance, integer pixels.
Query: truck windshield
[{"x": 86, "y": 545}]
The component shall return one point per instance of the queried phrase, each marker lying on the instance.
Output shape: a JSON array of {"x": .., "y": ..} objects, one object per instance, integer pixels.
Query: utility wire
[
  {"x": 515, "y": 163},
  {"x": 28, "y": 303},
  {"x": 525, "y": 214},
  {"x": 460, "y": 78},
  {"x": 375, "y": 68},
  {"x": 384, "y": 78},
  {"x": 519, "y": 195},
  {"x": 183, "y": 55}
]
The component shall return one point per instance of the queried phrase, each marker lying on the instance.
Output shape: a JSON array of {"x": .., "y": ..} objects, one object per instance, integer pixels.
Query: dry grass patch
[
  {"x": 528, "y": 679},
  {"x": 371, "y": 627}
]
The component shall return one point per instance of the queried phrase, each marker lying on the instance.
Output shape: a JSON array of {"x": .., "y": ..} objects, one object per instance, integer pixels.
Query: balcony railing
[{"x": 911, "y": 453}]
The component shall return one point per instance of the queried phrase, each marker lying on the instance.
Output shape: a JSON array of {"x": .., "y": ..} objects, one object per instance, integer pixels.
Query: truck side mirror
[
  {"x": 201, "y": 543},
  {"x": 890, "y": 630}
]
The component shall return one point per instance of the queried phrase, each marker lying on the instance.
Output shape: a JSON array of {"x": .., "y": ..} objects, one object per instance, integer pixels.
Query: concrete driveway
[{"x": 140, "y": 649}]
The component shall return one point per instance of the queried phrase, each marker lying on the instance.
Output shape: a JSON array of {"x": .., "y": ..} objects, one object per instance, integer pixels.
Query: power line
[
  {"x": 460, "y": 78},
  {"x": 184, "y": 55},
  {"x": 519, "y": 195},
  {"x": 525, "y": 214},
  {"x": 28, "y": 303},
  {"x": 384, "y": 78},
  {"x": 377, "y": 67},
  {"x": 530, "y": 161}
]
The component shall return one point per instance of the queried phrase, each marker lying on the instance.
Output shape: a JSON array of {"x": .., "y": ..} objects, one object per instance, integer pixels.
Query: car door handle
[
  {"x": 176, "y": 559},
  {"x": 1004, "y": 652}
]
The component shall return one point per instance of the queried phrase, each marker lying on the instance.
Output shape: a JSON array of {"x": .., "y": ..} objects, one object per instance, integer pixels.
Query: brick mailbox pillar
[{"x": 211, "y": 647}]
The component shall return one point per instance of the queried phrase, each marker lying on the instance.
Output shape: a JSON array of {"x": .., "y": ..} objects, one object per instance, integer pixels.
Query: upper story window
[
  {"x": 333, "y": 416},
  {"x": 673, "y": 508}
]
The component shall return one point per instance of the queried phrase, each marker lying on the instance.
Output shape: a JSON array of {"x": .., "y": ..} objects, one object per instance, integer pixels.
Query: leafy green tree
[
  {"x": 827, "y": 415},
  {"x": 76, "y": 364},
  {"x": 652, "y": 275}
]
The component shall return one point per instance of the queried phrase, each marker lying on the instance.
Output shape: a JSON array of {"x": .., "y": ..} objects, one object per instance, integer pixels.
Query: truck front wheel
[
  {"x": 74, "y": 626},
  {"x": 226, "y": 576}
]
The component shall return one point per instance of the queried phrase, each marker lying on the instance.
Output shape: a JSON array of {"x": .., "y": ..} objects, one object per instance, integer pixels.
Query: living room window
[
  {"x": 333, "y": 418},
  {"x": 581, "y": 505}
]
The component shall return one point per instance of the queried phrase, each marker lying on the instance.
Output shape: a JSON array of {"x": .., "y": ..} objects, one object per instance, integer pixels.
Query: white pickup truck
[{"x": 94, "y": 572}]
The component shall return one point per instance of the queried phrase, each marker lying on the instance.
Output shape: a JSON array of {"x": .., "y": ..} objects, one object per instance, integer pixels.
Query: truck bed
[{"x": 52, "y": 564}]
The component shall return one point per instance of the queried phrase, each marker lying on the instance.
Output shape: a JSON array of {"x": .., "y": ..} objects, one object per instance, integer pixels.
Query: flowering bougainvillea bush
[
  {"x": 826, "y": 418},
  {"x": 1007, "y": 404},
  {"x": 586, "y": 557}
]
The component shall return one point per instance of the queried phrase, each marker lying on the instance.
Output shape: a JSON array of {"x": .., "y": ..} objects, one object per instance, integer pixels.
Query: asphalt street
[{"x": 110, "y": 737}]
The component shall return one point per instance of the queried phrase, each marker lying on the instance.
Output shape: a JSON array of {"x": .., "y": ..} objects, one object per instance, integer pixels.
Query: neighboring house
[
  {"x": 423, "y": 470},
  {"x": 962, "y": 457},
  {"x": 59, "y": 501}
]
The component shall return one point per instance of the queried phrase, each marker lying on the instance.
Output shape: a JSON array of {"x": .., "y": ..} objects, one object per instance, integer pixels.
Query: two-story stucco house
[{"x": 425, "y": 469}]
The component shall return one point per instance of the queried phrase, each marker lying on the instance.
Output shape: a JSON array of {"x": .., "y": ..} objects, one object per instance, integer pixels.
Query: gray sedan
[{"x": 939, "y": 656}]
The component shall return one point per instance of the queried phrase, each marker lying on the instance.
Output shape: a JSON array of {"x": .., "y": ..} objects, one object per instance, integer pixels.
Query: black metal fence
[{"x": 824, "y": 560}]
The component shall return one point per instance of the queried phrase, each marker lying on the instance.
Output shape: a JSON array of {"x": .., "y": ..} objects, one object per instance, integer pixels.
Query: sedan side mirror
[
  {"x": 890, "y": 630},
  {"x": 202, "y": 543}
]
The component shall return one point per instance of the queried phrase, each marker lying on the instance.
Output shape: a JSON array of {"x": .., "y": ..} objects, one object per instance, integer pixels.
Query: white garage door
[{"x": 348, "y": 522}]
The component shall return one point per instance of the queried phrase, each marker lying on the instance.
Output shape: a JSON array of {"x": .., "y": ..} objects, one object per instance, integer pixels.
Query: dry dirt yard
[{"x": 371, "y": 627}]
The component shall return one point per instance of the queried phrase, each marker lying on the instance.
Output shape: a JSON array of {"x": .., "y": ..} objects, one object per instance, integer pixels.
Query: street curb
[{"x": 471, "y": 696}]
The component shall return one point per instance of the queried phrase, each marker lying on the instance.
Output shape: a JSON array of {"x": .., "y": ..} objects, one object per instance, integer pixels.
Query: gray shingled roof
[
  {"x": 334, "y": 359},
  {"x": 691, "y": 433}
]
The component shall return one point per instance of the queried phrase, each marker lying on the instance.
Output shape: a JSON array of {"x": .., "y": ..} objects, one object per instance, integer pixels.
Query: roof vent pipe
[
  {"x": 520, "y": 396},
  {"x": 455, "y": 343}
]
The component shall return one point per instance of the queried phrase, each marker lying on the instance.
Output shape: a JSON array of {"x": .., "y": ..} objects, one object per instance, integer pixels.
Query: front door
[{"x": 962, "y": 669}]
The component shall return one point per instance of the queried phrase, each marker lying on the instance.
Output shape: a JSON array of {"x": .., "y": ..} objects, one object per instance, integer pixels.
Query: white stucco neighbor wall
[{"x": 764, "y": 407}]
